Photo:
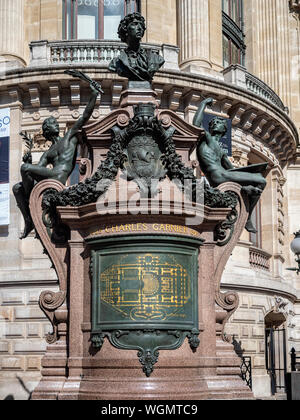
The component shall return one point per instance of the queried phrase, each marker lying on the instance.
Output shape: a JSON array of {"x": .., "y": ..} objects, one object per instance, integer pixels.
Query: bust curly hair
[{"x": 122, "y": 30}]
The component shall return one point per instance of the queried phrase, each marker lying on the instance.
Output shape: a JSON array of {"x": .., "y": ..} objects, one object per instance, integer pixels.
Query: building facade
[{"x": 242, "y": 53}]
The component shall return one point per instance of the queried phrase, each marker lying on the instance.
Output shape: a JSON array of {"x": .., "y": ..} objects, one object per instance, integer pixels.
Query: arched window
[
  {"x": 95, "y": 19},
  {"x": 233, "y": 37}
]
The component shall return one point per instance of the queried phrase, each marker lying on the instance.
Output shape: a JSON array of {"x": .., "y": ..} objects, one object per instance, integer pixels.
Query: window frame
[
  {"x": 72, "y": 33},
  {"x": 234, "y": 32},
  {"x": 256, "y": 238}
]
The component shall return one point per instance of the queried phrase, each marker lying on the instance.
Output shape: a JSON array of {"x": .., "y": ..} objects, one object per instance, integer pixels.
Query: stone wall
[
  {"x": 261, "y": 132},
  {"x": 22, "y": 340}
]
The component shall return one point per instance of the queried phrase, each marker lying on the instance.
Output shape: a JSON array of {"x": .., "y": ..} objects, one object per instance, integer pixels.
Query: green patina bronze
[
  {"x": 135, "y": 63},
  {"x": 218, "y": 168},
  {"x": 145, "y": 293},
  {"x": 61, "y": 155}
]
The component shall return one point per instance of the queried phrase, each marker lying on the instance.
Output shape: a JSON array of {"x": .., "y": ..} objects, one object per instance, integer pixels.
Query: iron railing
[
  {"x": 276, "y": 365},
  {"x": 295, "y": 365},
  {"x": 246, "y": 370}
]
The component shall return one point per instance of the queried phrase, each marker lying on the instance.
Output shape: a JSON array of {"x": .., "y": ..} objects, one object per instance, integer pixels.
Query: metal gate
[{"x": 276, "y": 358}]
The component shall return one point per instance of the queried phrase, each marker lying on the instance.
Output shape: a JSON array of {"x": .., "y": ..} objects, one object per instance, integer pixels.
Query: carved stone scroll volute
[
  {"x": 49, "y": 303},
  {"x": 52, "y": 303},
  {"x": 228, "y": 302}
]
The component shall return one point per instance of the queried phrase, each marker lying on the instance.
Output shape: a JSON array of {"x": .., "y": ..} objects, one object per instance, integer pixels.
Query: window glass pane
[
  {"x": 130, "y": 6},
  {"x": 235, "y": 56},
  {"x": 233, "y": 9},
  {"x": 113, "y": 13},
  {"x": 67, "y": 19},
  {"x": 255, "y": 238},
  {"x": 87, "y": 19},
  {"x": 226, "y": 57},
  {"x": 226, "y": 6}
]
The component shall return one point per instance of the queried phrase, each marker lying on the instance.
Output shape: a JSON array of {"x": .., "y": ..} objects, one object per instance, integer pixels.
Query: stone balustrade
[
  {"x": 92, "y": 51},
  {"x": 259, "y": 259},
  {"x": 238, "y": 75}
]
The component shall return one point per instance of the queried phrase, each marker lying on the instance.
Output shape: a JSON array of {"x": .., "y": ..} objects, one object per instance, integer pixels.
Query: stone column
[
  {"x": 12, "y": 32},
  {"x": 200, "y": 35},
  {"x": 267, "y": 27}
]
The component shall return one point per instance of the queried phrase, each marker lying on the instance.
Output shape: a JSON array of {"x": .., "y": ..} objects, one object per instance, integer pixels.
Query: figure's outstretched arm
[
  {"x": 198, "y": 118},
  {"x": 88, "y": 110}
]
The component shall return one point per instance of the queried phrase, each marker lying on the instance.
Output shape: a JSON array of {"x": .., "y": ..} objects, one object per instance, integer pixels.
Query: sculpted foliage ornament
[{"x": 146, "y": 153}]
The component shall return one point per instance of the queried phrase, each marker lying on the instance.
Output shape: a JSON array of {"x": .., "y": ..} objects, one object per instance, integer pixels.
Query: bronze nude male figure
[
  {"x": 218, "y": 168},
  {"x": 61, "y": 155},
  {"x": 135, "y": 63}
]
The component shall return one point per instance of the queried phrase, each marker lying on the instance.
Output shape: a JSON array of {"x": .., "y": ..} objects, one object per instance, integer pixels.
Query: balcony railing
[
  {"x": 45, "y": 53},
  {"x": 238, "y": 75},
  {"x": 261, "y": 89},
  {"x": 92, "y": 51},
  {"x": 259, "y": 259}
]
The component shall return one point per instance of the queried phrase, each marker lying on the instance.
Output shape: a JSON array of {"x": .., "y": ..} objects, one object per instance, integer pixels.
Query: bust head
[
  {"x": 132, "y": 27},
  {"x": 218, "y": 126},
  {"x": 50, "y": 128}
]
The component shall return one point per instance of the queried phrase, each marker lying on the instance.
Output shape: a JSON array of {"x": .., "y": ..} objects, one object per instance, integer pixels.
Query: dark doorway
[{"x": 275, "y": 341}]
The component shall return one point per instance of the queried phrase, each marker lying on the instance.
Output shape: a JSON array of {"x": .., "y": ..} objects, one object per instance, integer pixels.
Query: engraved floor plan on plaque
[{"x": 148, "y": 286}]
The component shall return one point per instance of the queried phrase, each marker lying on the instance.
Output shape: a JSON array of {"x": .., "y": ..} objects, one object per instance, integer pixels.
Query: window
[
  {"x": 95, "y": 19},
  {"x": 256, "y": 238},
  {"x": 233, "y": 36},
  {"x": 234, "y": 9}
]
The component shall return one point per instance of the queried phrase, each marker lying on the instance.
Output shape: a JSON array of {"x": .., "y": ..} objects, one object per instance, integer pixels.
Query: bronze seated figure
[
  {"x": 61, "y": 156},
  {"x": 217, "y": 167}
]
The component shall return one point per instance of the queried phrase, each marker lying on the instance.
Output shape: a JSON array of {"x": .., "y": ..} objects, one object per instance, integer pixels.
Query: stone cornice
[
  {"x": 273, "y": 287},
  {"x": 268, "y": 125}
]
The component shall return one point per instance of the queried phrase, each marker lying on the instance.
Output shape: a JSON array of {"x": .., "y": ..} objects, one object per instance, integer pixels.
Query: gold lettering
[
  {"x": 107, "y": 230},
  {"x": 155, "y": 226},
  {"x": 162, "y": 227},
  {"x": 145, "y": 226},
  {"x": 121, "y": 228}
]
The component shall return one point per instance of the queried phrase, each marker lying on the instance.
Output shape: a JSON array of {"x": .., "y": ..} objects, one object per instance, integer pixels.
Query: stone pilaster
[
  {"x": 12, "y": 32},
  {"x": 200, "y": 35}
]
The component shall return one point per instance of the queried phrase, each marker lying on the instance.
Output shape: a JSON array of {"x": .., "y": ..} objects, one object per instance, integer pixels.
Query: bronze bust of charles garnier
[{"x": 135, "y": 63}]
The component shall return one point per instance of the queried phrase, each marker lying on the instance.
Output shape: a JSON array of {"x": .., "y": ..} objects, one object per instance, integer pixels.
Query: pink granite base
[{"x": 212, "y": 372}]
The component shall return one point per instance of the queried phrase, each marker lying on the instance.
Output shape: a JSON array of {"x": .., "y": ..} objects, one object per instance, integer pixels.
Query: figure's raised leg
[{"x": 254, "y": 194}]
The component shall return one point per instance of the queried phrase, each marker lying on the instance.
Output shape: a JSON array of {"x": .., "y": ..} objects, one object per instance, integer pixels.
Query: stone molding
[
  {"x": 273, "y": 135},
  {"x": 269, "y": 286},
  {"x": 91, "y": 51},
  {"x": 238, "y": 75}
]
